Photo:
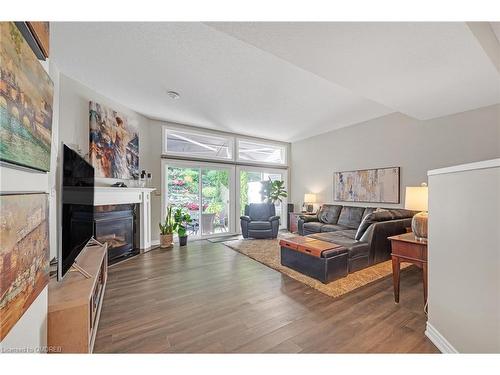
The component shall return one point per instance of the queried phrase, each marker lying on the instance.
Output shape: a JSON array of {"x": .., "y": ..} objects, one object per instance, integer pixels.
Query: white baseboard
[
  {"x": 154, "y": 245},
  {"x": 437, "y": 339}
]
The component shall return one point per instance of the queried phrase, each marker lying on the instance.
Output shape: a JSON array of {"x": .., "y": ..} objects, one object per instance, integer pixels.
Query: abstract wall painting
[
  {"x": 113, "y": 144},
  {"x": 24, "y": 255},
  {"x": 26, "y": 94},
  {"x": 368, "y": 185}
]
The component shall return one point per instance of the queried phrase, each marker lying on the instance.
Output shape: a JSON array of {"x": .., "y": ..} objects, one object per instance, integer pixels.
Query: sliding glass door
[
  {"x": 249, "y": 185},
  {"x": 216, "y": 200},
  {"x": 215, "y": 194},
  {"x": 206, "y": 191}
]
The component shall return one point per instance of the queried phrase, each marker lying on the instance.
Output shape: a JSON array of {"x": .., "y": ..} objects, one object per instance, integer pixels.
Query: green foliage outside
[
  {"x": 183, "y": 191},
  {"x": 184, "y": 185},
  {"x": 210, "y": 192}
]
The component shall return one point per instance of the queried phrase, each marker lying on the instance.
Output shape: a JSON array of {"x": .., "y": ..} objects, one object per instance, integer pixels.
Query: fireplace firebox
[{"x": 116, "y": 225}]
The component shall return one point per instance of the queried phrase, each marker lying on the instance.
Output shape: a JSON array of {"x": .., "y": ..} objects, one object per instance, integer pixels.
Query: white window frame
[
  {"x": 233, "y": 143},
  {"x": 285, "y": 147},
  {"x": 201, "y": 133}
]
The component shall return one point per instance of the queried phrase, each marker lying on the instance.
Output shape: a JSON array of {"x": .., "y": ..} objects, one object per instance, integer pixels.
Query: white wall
[
  {"x": 30, "y": 331},
  {"x": 394, "y": 140},
  {"x": 464, "y": 259},
  {"x": 74, "y": 117},
  {"x": 74, "y": 120}
]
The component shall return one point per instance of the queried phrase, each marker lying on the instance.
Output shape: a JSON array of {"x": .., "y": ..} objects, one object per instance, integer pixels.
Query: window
[
  {"x": 197, "y": 144},
  {"x": 261, "y": 152},
  {"x": 200, "y": 144}
]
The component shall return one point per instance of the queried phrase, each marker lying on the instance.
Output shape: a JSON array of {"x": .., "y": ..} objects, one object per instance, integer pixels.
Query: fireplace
[{"x": 116, "y": 225}]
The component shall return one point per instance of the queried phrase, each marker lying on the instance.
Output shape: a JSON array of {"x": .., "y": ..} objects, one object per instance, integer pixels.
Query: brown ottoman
[{"x": 324, "y": 261}]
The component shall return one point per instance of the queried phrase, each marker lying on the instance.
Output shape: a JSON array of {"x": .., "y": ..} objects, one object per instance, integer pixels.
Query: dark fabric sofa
[{"x": 363, "y": 231}]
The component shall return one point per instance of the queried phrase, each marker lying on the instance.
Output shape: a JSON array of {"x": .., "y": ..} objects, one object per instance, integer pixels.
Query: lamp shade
[
  {"x": 309, "y": 198},
  {"x": 416, "y": 198}
]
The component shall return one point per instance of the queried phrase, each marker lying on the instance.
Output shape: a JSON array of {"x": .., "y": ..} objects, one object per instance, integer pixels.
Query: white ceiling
[
  {"x": 422, "y": 69},
  {"x": 283, "y": 81}
]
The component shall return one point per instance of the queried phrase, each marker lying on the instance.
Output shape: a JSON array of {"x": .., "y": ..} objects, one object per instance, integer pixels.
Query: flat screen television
[{"x": 77, "y": 208}]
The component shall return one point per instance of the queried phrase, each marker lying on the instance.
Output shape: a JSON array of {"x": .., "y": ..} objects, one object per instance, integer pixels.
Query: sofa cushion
[
  {"x": 332, "y": 227},
  {"x": 351, "y": 216},
  {"x": 329, "y": 213},
  {"x": 355, "y": 248},
  {"x": 261, "y": 234},
  {"x": 359, "y": 249},
  {"x": 349, "y": 233},
  {"x": 369, "y": 210},
  {"x": 379, "y": 215},
  {"x": 259, "y": 225},
  {"x": 401, "y": 213},
  {"x": 313, "y": 227}
]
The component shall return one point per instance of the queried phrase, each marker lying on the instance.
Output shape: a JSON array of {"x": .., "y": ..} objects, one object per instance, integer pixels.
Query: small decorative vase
[
  {"x": 419, "y": 225},
  {"x": 183, "y": 241},
  {"x": 166, "y": 240}
]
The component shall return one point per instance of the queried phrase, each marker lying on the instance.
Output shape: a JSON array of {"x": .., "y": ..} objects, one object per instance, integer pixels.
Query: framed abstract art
[
  {"x": 26, "y": 94},
  {"x": 113, "y": 143},
  {"x": 24, "y": 254},
  {"x": 37, "y": 34},
  {"x": 380, "y": 185}
]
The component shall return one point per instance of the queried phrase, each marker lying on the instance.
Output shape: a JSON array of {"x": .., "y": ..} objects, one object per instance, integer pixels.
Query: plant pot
[
  {"x": 166, "y": 240},
  {"x": 183, "y": 241}
]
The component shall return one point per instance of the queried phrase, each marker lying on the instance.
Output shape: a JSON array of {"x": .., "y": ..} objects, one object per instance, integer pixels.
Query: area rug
[{"x": 267, "y": 252}]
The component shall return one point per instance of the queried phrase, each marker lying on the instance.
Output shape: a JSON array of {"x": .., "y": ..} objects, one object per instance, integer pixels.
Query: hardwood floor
[{"x": 209, "y": 298}]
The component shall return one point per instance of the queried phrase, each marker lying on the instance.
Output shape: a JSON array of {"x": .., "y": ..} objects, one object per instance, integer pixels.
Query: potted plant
[
  {"x": 273, "y": 191},
  {"x": 181, "y": 221},
  {"x": 167, "y": 230}
]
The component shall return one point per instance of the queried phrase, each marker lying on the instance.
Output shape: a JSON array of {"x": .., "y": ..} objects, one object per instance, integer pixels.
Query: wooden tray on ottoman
[
  {"x": 322, "y": 260},
  {"x": 308, "y": 245}
]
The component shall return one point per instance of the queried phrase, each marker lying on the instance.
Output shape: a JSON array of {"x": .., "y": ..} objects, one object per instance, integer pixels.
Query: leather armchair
[{"x": 260, "y": 221}]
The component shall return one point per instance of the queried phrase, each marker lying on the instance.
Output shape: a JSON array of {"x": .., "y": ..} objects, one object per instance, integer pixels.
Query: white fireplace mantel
[{"x": 105, "y": 195}]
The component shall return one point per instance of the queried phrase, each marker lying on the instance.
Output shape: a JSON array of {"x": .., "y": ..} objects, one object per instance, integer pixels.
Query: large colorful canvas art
[
  {"x": 369, "y": 185},
  {"x": 26, "y": 94},
  {"x": 113, "y": 144},
  {"x": 37, "y": 35},
  {"x": 24, "y": 255}
]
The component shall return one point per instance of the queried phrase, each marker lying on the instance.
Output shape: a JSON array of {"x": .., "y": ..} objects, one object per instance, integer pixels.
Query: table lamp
[
  {"x": 309, "y": 199},
  {"x": 416, "y": 199}
]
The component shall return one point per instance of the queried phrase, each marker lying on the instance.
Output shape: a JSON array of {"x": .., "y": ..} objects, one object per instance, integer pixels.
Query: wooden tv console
[{"x": 75, "y": 303}]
